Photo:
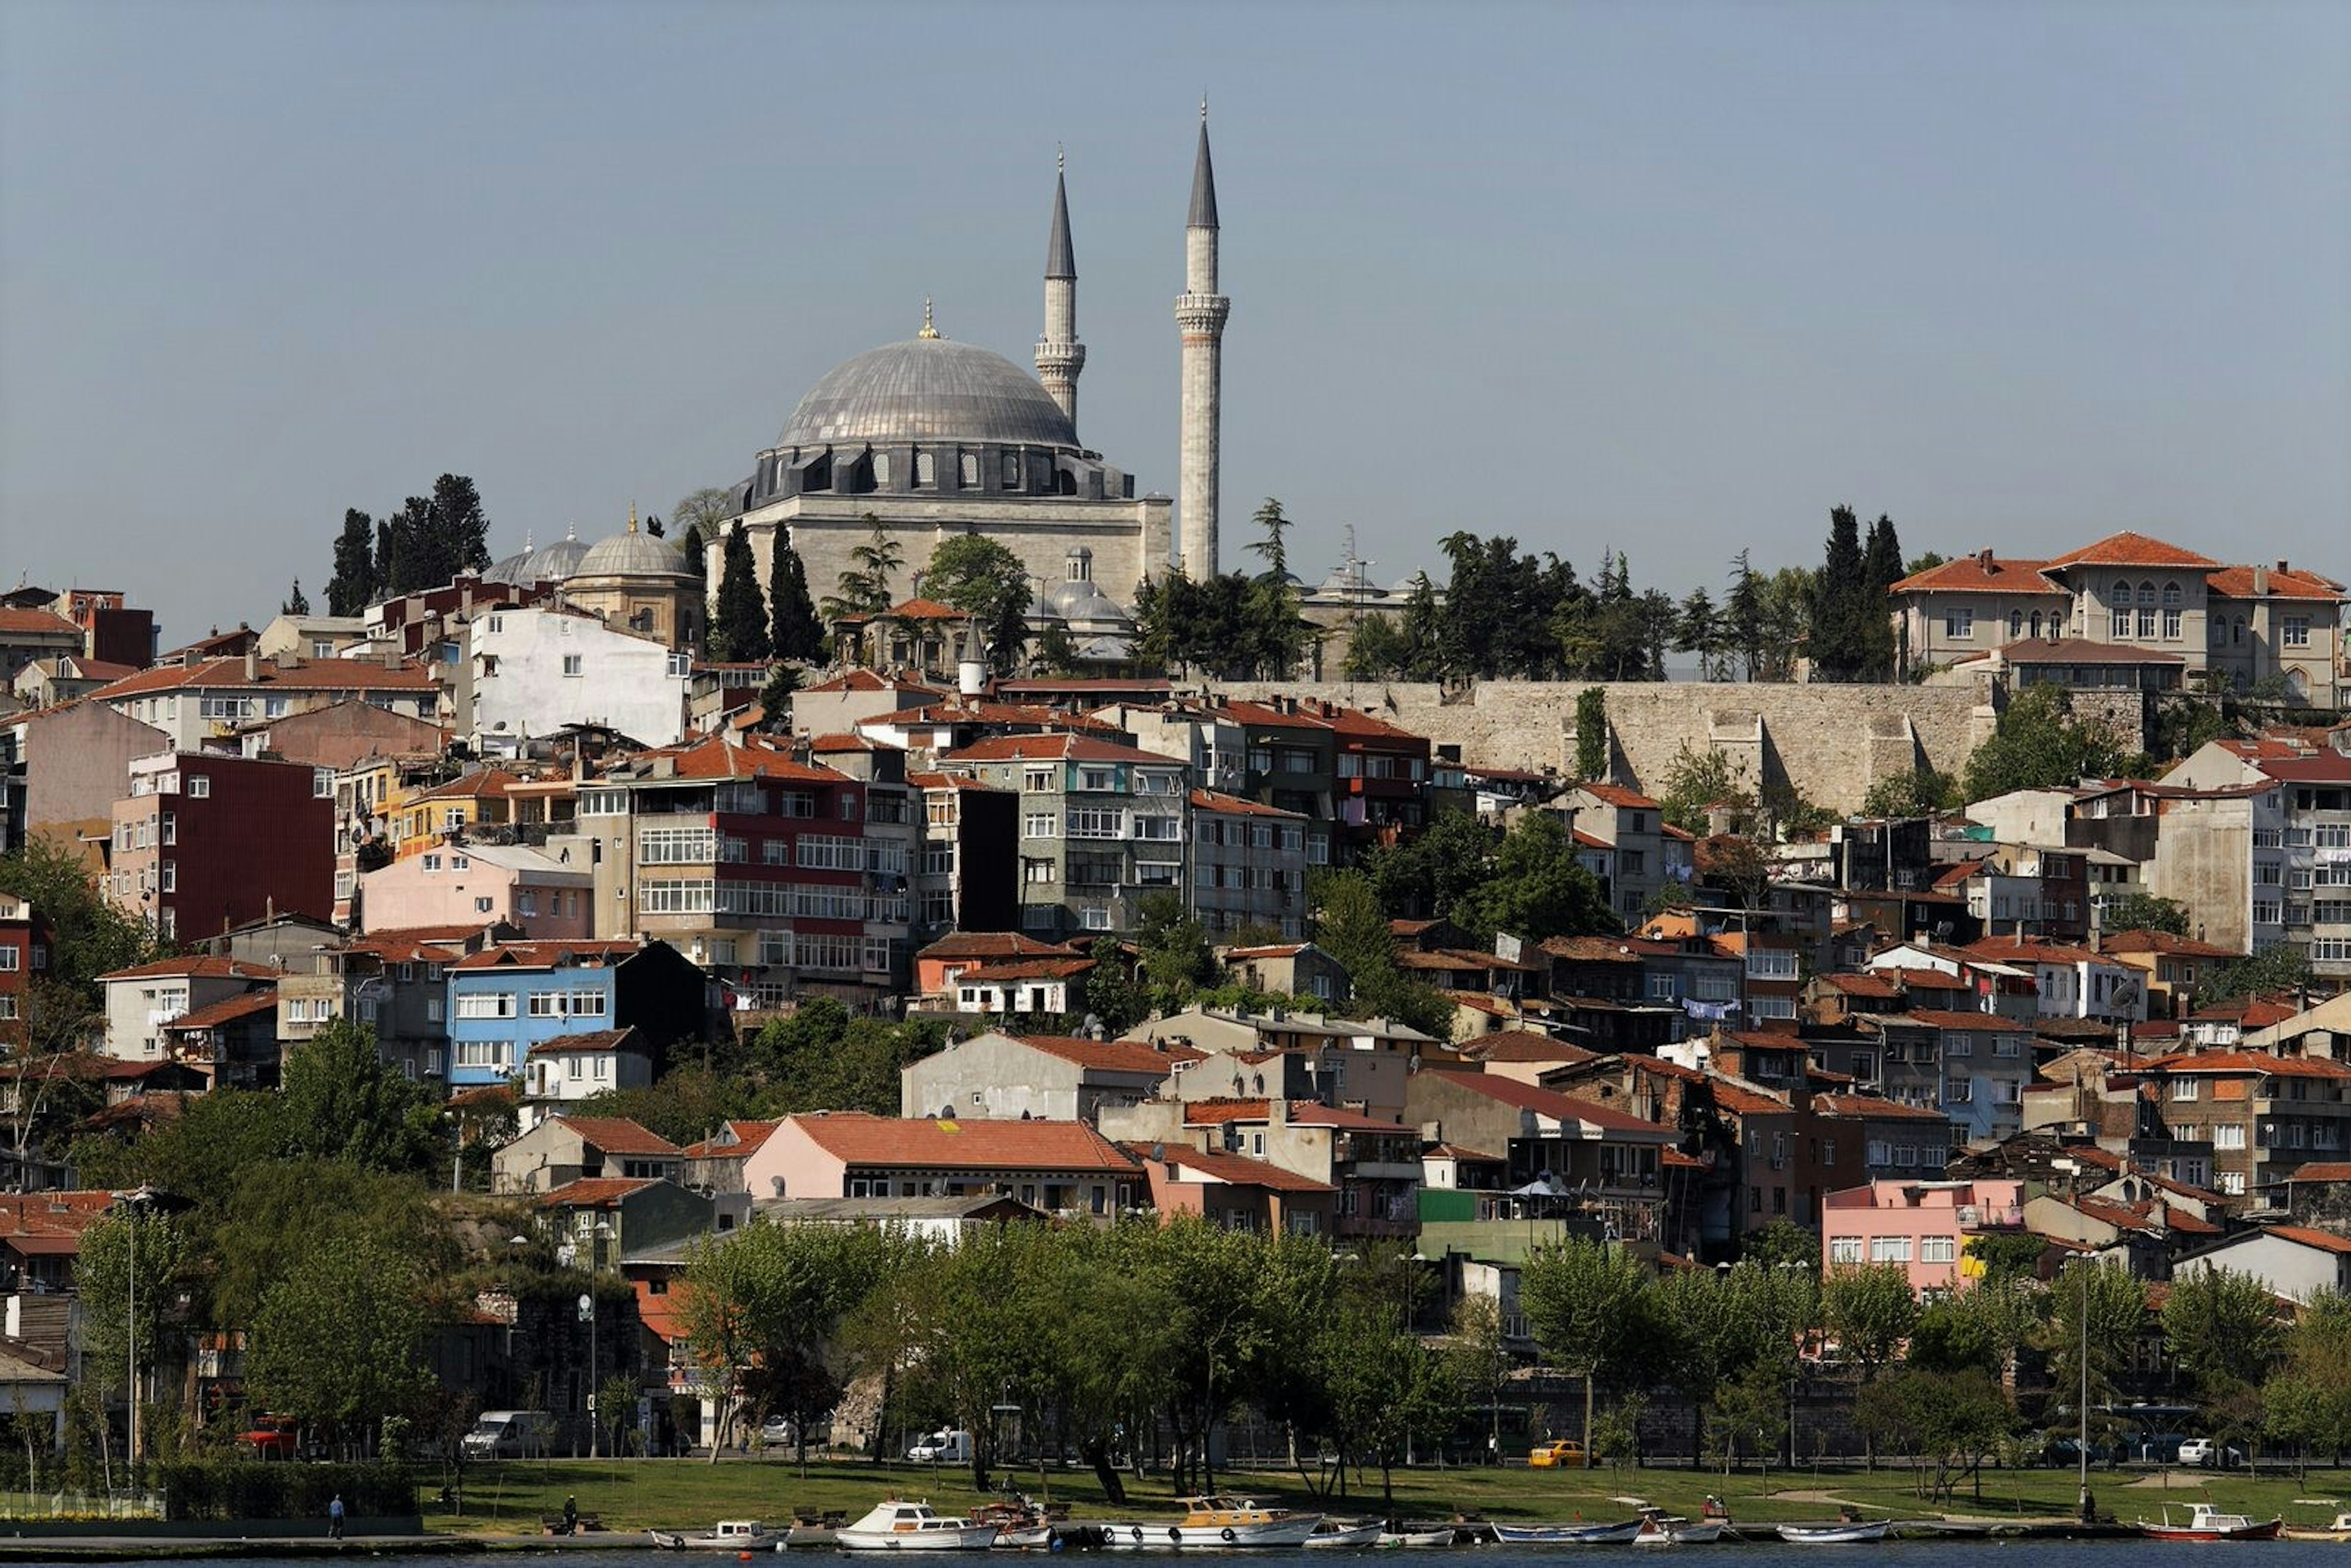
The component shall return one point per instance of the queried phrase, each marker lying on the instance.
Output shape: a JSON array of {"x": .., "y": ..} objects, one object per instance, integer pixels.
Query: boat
[
  {"x": 731, "y": 1535},
  {"x": 1021, "y": 1524},
  {"x": 1331, "y": 1536},
  {"x": 1568, "y": 1534},
  {"x": 1212, "y": 1523},
  {"x": 896, "y": 1526},
  {"x": 2338, "y": 1531},
  {"x": 1660, "y": 1528},
  {"x": 1415, "y": 1540},
  {"x": 2206, "y": 1522},
  {"x": 1844, "y": 1533}
]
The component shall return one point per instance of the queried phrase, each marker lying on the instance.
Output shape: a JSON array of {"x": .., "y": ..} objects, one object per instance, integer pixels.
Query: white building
[{"x": 533, "y": 672}]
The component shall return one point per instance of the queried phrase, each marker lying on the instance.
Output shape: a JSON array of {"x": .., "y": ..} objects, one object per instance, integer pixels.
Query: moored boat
[
  {"x": 731, "y": 1534},
  {"x": 896, "y": 1526},
  {"x": 2338, "y": 1531},
  {"x": 1212, "y": 1524},
  {"x": 1847, "y": 1534},
  {"x": 1568, "y": 1534},
  {"x": 1417, "y": 1540},
  {"x": 1331, "y": 1536},
  {"x": 2206, "y": 1522},
  {"x": 1660, "y": 1528}
]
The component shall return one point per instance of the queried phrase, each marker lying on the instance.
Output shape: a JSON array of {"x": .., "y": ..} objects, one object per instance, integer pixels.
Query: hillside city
[{"x": 608, "y": 922}]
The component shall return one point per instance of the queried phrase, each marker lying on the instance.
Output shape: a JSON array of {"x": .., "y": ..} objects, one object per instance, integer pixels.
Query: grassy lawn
[{"x": 633, "y": 1494}]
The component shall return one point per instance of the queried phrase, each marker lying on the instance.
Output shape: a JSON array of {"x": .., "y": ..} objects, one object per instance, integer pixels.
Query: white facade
[{"x": 536, "y": 671}]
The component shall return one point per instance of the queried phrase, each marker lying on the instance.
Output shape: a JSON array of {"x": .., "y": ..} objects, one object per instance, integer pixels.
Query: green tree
[
  {"x": 1840, "y": 643},
  {"x": 1591, "y": 739},
  {"x": 987, "y": 582},
  {"x": 704, "y": 513},
  {"x": 2284, "y": 967},
  {"x": 2146, "y": 911},
  {"x": 795, "y": 633},
  {"x": 2038, "y": 744},
  {"x": 1539, "y": 889},
  {"x": 296, "y": 603},
  {"x": 1742, "y": 618},
  {"x": 1351, "y": 926},
  {"x": 1880, "y": 569},
  {"x": 738, "y": 624},
  {"x": 1708, "y": 1326},
  {"x": 2222, "y": 1328},
  {"x": 1427, "y": 876},
  {"x": 1950, "y": 1421},
  {"x": 2096, "y": 1307},
  {"x": 106, "y": 1282},
  {"x": 1869, "y": 1310},
  {"x": 276, "y": 1211},
  {"x": 2308, "y": 1397},
  {"x": 1172, "y": 948},
  {"x": 1749, "y": 1413},
  {"x": 1921, "y": 792},
  {"x": 1699, "y": 629},
  {"x": 1697, "y": 781},
  {"x": 352, "y": 587},
  {"x": 1116, "y": 999},
  {"x": 343, "y": 1103},
  {"x": 1783, "y": 1243},
  {"x": 1583, "y": 1301},
  {"x": 339, "y": 1338}
]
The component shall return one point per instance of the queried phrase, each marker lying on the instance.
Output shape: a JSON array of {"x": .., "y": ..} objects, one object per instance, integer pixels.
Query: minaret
[
  {"x": 1200, "y": 313},
  {"x": 1059, "y": 355}
]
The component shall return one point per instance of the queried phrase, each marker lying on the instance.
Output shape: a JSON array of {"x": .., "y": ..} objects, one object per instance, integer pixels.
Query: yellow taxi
[{"x": 1566, "y": 1454}]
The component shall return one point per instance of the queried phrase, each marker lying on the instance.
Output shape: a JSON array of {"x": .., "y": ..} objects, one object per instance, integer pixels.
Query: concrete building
[
  {"x": 543, "y": 897},
  {"x": 1248, "y": 867},
  {"x": 142, "y": 1000},
  {"x": 2294, "y": 1261},
  {"x": 203, "y": 842},
  {"x": 563, "y": 1149},
  {"x": 574, "y": 1067},
  {"x": 504, "y": 1000},
  {"x": 2298, "y": 864},
  {"x": 1922, "y": 1226},
  {"x": 211, "y": 699},
  {"x": 1037, "y": 1077},
  {"x": 1633, "y": 826},
  {"x": 1063, "y": 1167},
  {"x": 535, "y": 671}
]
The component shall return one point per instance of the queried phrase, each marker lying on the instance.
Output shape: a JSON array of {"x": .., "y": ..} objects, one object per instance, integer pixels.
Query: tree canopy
[
  {"x": 985, "y": 579},
  {"x": 738, "y": 623},
  {"x": 2039, "y": 743}
]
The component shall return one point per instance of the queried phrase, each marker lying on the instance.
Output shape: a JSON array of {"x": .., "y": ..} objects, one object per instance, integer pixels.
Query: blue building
[{"x": 504, "y": 1000}]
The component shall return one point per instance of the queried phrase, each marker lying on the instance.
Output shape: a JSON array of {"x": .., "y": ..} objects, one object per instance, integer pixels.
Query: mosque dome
[
  {"x": 510, "y": 569},
  {"x": 632, "y": 554},
  {"x": 925, "y": 390},
  {"x": 554, "y": 562}
]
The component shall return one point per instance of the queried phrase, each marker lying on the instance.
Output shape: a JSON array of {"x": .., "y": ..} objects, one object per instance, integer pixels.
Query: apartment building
[
  {"x": 1633, "y": 827},
  {"x": 1249, "y": 866},
  {"x": 504, "y": 1000},
  {"x": 2264, "y": 1115},
  {"x": 965, "y": 878},
  {"x": 203, "y": 842},
  {"x": 531, "y": 672},
  {"x": 209, "y": 699},
  {"x": 2295, "y": 853},
  {"x": 1103, "y": 826}
]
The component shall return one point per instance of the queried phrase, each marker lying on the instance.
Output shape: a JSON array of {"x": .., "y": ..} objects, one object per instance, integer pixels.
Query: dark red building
[{"x": 204, "y": 842}]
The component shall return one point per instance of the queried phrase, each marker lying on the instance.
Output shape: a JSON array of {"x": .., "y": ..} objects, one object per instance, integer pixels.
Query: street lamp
[
  {"x": 138, "y": 1203},
  {"x": 589, "y": 1315}
]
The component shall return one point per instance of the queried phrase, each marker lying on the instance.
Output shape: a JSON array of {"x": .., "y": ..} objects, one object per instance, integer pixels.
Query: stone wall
[{"x": 1831, "y": 741}]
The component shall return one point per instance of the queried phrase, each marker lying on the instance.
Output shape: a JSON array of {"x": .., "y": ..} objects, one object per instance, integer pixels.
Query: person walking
[
  {"x": 335, "y": 1518},
  {"x": 571, "y": 1515}
]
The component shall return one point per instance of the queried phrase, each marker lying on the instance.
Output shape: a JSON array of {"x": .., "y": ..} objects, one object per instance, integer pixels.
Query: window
[
  {"x": 1097, "y": 823},
  {"x": 2186, "y": 1089},
  {"x": 1096, "y": 918},
  {"x": 1661, "y": 988},
  {"x": 1957, "y": 1091},
  {"x": 1959, "y": 1043},
  {"x": 1889, "y": 1249},
  {"x": 1938, "y": 1250},
  {"x": 199, "y": 786},
  {"x": 2232, "y": 1182},
  {"x": 1845, "y": 1249},
  {"x": 2295, "y": 632},
  {"x": 2016, "y": 623},
  {"x": 2119, "y": 622},
  {"x": 1959, "y": 624},
  {"x": 492, "y": 1005},
  {"x": 571, "y": 664},
  {"x": 2228, "y": 1135},
  {"x": 1040, "y": 825}
]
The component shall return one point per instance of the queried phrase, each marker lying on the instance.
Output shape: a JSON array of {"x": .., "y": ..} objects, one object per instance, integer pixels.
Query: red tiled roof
[
  {"x": 1969, "y": 574},
  {"x": 926, "y": 609},
  {"x": 1522, "y": 1045},
  {"x": 1878, "y": 985},
  {"x": 591, "y": 1039},
  {"x": 2129, "y": 549},
  {"x": 748, "y": 1136},
  {"x": 1302, "y": 1114},
  {"x": 227, "y": 1011},
  {"x": 481, "y": 783},
  {"x": 2233, "y": 1063},
  {"x": 551, "y": 955},
  {"x": 2081, "y": 651},
  {"x": 2025, "y": 951},
  {"x": 718, "y": 756},
  {"x": 1872, "y": 1105},
  {"x": 1232, "y": 1170},
  {"x": 1676, "y": 1159},
  {"x": 861, "y": 680},
  {"x": 1465, "y": 1155},
  {"x": 1111, "y": 1055},
  {"x": 1234, "y": 806},
  {"x": 50, "y": 1223},
  {"x": 2236, "y": 582},
  {"x": 1989, "y": 1023},
  {"x": 618, "y": 1135},
  {"x": 1745, "y": 1102},
  {"x": 31, "y": 622},
  {"x": 858, "y": 1138},
  {"x": 2165, "y": 942},
  {"x": 1051, "y": 968},
  {"x": 993, "y": 944},
  {"x": 1062, "y": 747},
  {"x": 2324, "y": 1239},
  {"x": 310, "y": 675},
  {"x": 2321, "y": 1170},
  {"x": 1617, "y": 795},
  {"x": 1591, "y": 949},
  {"x": 195, "y": 968},
  {"x": 924, "y": 780},
  {"x": 594, "y": 1192}
]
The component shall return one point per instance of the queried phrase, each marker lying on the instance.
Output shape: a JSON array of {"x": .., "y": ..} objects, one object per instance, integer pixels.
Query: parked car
[
  {"x": 272, "y": 1437},
  {"x": 1565, "y": 1454},
  {"x": 942, "y": 1447},
  {"x": 2067, "y": 1452},
  {"x": 2157, "y": 1448},
  {"x": 2207, "y": 1452},
  {"x": 510, "y": 1435},
  {"x": 778, "y": 1432}
]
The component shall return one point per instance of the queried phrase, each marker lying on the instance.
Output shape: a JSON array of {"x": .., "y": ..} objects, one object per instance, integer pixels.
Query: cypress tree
[
  {"x": 352, "y": 587},
  {"x": 1840, "y": 631},
  {"x": 738, "y": 630},
  {"x": 1880, "y": 569},
  {"x": 797, "y": 632}
]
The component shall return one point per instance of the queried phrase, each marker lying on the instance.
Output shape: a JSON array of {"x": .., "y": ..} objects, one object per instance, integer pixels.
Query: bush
[{"x": 254, "y": 1488}]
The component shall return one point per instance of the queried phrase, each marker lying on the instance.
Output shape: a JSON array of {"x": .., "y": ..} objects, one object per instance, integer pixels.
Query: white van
[
  {"x": 509, "y": 1435},
  {"x": 942, "y": 1447}
]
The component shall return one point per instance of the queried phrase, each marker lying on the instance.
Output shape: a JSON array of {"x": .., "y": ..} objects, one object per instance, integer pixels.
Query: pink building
[
  {"x": 1062, "y": 1168},
  {"x": 1922, "y": 1225},
  {"x": 473, "y": 884}
]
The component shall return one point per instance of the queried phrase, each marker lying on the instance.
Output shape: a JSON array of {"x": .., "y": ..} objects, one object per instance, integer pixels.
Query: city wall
[{"x": 1831, "y": 742}]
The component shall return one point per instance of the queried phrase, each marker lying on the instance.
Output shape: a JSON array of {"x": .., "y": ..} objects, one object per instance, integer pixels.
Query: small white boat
[
  {"x": 1568, "y": 1534},
  {"x": 731, "y": 1535},
  {"x": 1215, "y": 1523},
  {"x": 2338, "y": 1531},
  {"x": 1661, "y": 1529},
  {"x": 895, "y": 1526},
  {"x": 1415, "y": 1540},
  {"x": 2206, "y": 1522},
  {"x": 1331, "y": 1536},
  {"x": 1846, "y": 1534}
]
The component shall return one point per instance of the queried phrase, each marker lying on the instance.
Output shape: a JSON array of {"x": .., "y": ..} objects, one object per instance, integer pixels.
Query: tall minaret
[
  {"x": 1200, "y": 313},
  {"x": 1059, "y": 355}
]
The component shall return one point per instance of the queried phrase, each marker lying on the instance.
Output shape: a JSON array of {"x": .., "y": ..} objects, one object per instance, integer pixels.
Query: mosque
[{"x": 934, "y": 438}]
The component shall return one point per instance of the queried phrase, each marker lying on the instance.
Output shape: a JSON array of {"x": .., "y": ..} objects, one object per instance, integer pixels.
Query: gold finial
[
  {"x": 929, "y": 331},
  {"x": 633, "y": 517}
]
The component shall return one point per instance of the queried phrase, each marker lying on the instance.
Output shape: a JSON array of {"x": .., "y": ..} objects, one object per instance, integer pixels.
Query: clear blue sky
[{"x": 1673, "y": 278}]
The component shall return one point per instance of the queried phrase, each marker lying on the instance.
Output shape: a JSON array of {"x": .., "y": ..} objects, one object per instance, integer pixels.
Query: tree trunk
[
  {"x": 1113, "y": 1485},
  {"x": 1587, "y": 1420}
]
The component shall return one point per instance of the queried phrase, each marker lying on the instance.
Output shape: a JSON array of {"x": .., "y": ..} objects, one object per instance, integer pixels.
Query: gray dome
[
  {"x": 555, "y": 562},
  {"x": 509, "y": 570},
  {"x": 632, "y": 554},
  {"x": 925, "y": 390}
]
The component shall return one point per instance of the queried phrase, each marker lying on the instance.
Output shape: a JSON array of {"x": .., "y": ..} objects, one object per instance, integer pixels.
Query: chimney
[
  {"x": 252, "y": 666},
  {"x": 1277, "y": 1111},
  {"x": 1983, "y": 559},
  {"x": 2284, "y": 567},
  {"x": 2260, "y": 582},
  {"x": 392, "y": 657}
]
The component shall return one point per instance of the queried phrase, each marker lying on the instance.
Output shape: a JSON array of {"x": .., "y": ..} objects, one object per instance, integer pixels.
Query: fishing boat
[
  {"x": 1844, "y": 1533},
  {"x": 1212, "y": 1524},
  {"x": 731, "y": 1535},
  {"x": 1417, "y": 1539},
  {"x": 2206, "y": 1522},
  {"x": 1660, "y": 1528},
  {"x": 895, "y": 1526},
  {"x": 1568, "y": 1534},
  {"x": 1022, "y": 1523},
  {"x": 2338, "y": 1531},
  {"x": 1332, "y": 1536}
]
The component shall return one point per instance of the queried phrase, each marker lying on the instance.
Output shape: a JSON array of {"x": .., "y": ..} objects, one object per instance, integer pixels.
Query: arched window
[
  {"x": 968, "y": 470},
  {"x": 2147, "y": 594},
  {"x": 2171, "y": 598},
  {"x": 880, "y": 468},
  {"x": 2147, "y": 610},
  {"x": 1013, "y": 470},
  {"x": 2118, "y": 622},
  {"x": 2036, "y": 623},
  {"x": 2237, "y": 630},
  {"x": 2171, "y": 593},
  {"x": 2016, "y": 622}
]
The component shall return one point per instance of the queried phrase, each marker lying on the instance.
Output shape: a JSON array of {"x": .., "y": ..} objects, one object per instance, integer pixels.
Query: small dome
[
  {"x": 925, "y": 390},
  {"x": 632, "y": 554},
  {"x": 508, "y": 570},
  {"x": 554, "y": 562},
  {"x": 1081, "y": 600}
]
